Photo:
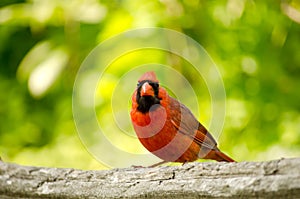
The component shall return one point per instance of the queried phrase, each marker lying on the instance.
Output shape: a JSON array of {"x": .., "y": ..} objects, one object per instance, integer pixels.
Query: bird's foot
[{"x": 151, "y": 166}]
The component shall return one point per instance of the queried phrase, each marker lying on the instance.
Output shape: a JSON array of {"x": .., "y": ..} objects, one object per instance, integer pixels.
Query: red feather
[{"x": 167, "y": 128}]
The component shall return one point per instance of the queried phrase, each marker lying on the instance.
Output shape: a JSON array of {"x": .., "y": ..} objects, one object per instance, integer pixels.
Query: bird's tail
[{"x": 218, "y": 156}]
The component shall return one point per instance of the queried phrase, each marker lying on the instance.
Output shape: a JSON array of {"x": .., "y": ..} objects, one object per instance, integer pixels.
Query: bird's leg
[
  {"x": 157, "y": 164},
  {"x": 137, "y": 166},
  {"x": 151, "y": 166}
]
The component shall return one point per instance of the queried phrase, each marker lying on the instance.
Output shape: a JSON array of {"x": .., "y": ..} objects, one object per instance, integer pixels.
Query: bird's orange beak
[{"x": 147, "y": 90}]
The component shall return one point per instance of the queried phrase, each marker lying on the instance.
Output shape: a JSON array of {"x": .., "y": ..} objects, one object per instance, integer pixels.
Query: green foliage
[{"x": 254, "y": 43}]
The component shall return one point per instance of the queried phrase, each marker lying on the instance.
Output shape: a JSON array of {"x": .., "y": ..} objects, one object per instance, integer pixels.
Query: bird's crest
[{"x": 148, "y": 76}]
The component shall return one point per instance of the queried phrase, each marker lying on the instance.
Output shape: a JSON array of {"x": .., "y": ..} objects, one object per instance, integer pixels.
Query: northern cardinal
[{"x": 167, "y": 128}]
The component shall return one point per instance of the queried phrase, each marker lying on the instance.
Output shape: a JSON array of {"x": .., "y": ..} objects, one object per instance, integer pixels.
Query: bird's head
[{"x": 147, "y": 92}]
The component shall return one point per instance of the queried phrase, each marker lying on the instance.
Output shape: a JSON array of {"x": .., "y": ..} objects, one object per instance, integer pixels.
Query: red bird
[{"x": 167, "y": 128}]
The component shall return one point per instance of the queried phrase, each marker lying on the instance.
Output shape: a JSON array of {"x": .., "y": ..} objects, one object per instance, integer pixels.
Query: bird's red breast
[{"x": 167, "y": 128}]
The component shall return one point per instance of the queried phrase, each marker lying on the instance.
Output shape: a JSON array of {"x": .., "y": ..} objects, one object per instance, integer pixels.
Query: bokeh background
[{"x": 255, "y": 44}]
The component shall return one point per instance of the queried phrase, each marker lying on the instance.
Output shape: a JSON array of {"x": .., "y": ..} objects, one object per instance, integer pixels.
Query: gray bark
[{"x": 278, "y": 178}]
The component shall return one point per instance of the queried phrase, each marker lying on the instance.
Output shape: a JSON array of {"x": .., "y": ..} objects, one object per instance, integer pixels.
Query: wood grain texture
[{"x": 278, "y": 178}]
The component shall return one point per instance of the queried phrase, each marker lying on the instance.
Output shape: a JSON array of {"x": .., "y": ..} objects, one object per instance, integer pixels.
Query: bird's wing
[{"x": 186, "y": 123}]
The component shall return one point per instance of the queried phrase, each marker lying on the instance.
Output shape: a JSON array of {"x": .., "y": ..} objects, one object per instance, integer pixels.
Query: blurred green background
[{"x": 255, "y": 44}]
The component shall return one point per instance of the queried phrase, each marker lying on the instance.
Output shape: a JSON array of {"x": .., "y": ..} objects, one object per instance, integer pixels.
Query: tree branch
[{"x": 278, "y": 178}]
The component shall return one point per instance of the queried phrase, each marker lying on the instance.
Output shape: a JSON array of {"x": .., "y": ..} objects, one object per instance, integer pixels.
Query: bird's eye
[{"x": 154, "y": 85}]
